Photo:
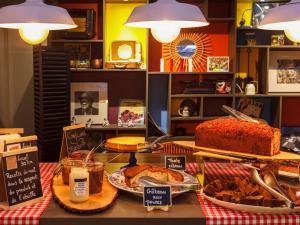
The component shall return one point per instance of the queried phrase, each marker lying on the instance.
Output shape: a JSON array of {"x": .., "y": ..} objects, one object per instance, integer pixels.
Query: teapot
[{"x": 184, "y": 112}]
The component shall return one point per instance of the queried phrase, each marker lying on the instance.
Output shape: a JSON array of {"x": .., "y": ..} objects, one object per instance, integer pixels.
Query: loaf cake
[
  {"x": 239, "y": 136},
  {"x": 126, "y": 143},
  {"x": 132, "y": 174}
]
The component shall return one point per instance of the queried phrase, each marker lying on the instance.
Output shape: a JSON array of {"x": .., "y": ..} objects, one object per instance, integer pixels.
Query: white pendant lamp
[
  {"x": 34, "y": 19},
  {"x": 285, "y": 17},
  {"x": 165, "y": 18}
]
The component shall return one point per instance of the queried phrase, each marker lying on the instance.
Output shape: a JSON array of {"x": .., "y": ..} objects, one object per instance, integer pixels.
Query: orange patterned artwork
[{"x": 195, "y": 46}]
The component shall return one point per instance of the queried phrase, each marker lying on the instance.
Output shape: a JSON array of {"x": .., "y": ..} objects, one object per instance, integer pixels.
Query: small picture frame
[
  {"x": 284, "y": 72},
  {"x": 218, "y": 64},
  {"x": 277, "y": 40},
  {"x": 132, "y": 109},
  {"x": 89, "y": 102}
]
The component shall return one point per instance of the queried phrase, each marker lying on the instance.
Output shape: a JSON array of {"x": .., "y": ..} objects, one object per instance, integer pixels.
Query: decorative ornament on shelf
[
  {"x": 188, "y": 46},
  {"x": 120, "y": 123},
  {"x": 45, "y": 17},
  {"x": 165, "y": 18},
  {"x": 106, "y": 123}
]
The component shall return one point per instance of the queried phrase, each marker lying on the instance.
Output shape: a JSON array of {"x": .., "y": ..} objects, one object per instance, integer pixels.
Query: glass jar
[
  {"x": 96, "y": 170},
  {"x": 67, "y": 165},
  {"x": 79, "y": 184}
]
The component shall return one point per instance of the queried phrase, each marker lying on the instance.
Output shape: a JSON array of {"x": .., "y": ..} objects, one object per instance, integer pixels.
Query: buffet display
[{"x": 82, "y": 185}]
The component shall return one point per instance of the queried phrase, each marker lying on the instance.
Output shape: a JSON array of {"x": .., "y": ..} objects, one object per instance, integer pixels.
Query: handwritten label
[
  {"x": 175, "y": 162},
  {"x": 157, "y": 196},
  {"x": 76, "y": 140},
  {"x": 22, "y": 177}
]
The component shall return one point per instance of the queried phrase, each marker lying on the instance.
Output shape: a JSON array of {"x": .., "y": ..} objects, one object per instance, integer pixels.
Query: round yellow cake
[{"x": 126, "y": 143}]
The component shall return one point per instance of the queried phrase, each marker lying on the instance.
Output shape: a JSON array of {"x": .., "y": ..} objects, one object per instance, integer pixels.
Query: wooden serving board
[
  {"x": 191, "y": 144},
  {"x": 96, "y": 203}
]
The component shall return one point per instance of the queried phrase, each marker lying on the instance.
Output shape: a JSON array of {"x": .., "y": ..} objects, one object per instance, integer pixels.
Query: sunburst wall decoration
[{"x": 197, "y": 46}]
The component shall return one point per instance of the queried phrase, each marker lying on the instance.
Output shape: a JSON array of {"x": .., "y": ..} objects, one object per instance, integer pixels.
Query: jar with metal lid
[{"x": 79, "y": 184}]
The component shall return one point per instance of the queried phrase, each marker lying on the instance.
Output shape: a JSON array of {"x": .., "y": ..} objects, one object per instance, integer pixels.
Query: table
[
  {"x": 128, "y": 209},
  {"x": 187, "y": 209}
]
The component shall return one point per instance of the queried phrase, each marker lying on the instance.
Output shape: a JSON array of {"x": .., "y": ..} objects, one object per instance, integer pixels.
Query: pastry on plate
[{"x": 160, "y": 173}]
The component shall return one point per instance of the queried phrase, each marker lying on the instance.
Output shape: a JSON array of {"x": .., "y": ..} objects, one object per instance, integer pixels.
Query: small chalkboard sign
[
  {"x": 20, "y": 178},
  {"x": 157, "y": 196},
  {"x": 175, "y": 162},
  {"x": 74, "y": 139}
]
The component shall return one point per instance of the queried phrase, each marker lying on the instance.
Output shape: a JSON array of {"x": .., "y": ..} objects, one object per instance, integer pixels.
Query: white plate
[
  {"x": 251, "y": 208},
  {"x": 117, "y": 179}
]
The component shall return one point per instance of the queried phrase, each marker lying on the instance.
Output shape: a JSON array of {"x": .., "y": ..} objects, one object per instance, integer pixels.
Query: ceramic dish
[
  {"x": 117, "y": 179},
  {"x": 251, "y": 208}
]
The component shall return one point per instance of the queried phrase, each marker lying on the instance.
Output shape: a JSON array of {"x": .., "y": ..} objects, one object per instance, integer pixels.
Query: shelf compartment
[
  {"x": 271, "y": 108},
  {"x": 212, "y": 107},
  {"x": 208, "y": 81},
  {"x": 290, "y": 112},
  {"x": 116, "y": 15},
  {"x": 183, "y": 128},
  {"x": 176, "y": 102}
]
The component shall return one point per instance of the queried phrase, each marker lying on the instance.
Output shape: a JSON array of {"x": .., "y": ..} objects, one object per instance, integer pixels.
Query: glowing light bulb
[
  {"x": 165, "y": 32},
  {"x": 33, "y": 34},
  {"x": 293, "y": 34}
]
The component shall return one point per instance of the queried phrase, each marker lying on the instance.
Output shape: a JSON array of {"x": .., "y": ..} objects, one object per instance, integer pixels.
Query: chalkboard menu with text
[
  {"x": 74, "y": 139},
  {"x": 21, "y": 177}
]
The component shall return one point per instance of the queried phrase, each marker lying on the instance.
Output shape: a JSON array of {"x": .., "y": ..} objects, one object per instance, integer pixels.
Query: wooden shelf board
[
  {"x": 76, "y": 41},
  {"x": 253, "y": 46},
  {"x": 201, "y": 95},
  {"x": 193, "y": 118},
  {"x": 221, "y": 19},
  {"x": 202, "y": 73},
  {"x": 158, "y": 73},
  {"x": 247, "y": 28},
  {"x": 107, "y": 70},
  {"x": 114, "y": 127},
  {"x": 269, "y": 46},
  {"x": 255, "y": 96}
]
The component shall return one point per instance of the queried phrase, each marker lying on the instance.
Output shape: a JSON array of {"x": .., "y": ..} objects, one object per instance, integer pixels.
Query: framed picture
[
  {"x": 85, "y": 19},
  {"x": 284, "y": 72},
  {"x": 250, "y": 107},
  {"x": 218, "y": 64},
  {"x": 131, "y": 109},
  {"x": 89, "y": 102}
]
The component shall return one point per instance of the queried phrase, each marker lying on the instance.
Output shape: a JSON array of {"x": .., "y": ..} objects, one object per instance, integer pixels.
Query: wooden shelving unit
[{"x": 163, "y": 91}]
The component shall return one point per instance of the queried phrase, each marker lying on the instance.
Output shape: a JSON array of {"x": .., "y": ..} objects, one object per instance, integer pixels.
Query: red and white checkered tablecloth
[
  {"x": 218, "y": 215},
  {"x": 30, "y": 215}
]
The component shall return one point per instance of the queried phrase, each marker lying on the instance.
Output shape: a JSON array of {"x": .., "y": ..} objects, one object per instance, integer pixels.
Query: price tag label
[
  {"x": 157, "y": 196},
  {"x": 175, "y": 162}
]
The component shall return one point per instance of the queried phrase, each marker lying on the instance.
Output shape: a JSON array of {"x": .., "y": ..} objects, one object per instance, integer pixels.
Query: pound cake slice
[
  {"x": 132, "y": 174},
  {"x": 239, "y": 136}
]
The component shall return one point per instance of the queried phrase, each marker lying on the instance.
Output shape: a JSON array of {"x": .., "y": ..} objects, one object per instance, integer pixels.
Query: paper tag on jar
[{"x": 80, "y": 187}]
